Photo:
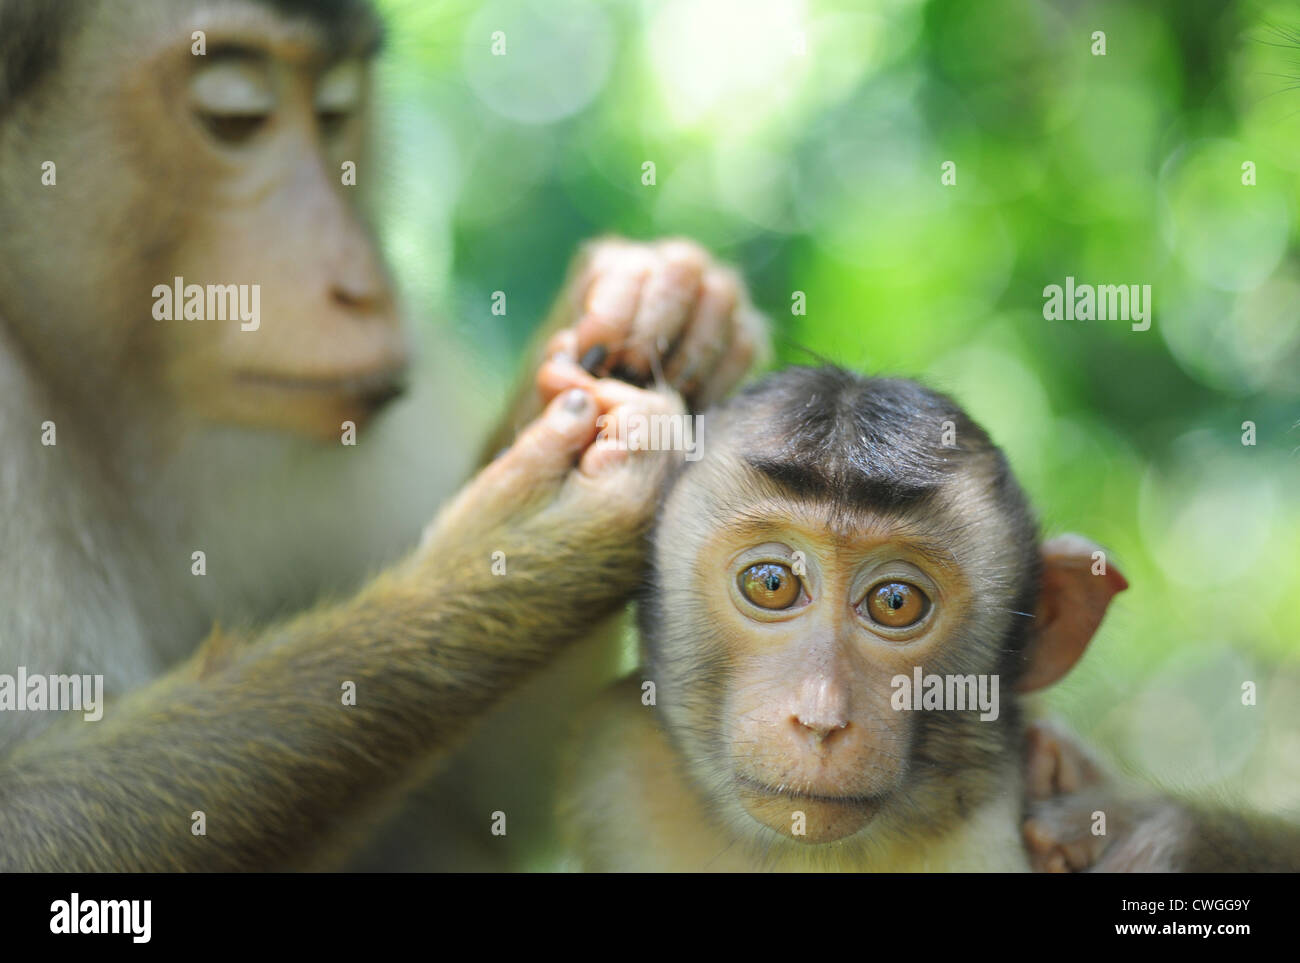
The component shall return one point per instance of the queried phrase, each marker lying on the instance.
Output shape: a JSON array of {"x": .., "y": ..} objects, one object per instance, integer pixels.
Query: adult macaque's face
[{"x": 222, "y": 169}]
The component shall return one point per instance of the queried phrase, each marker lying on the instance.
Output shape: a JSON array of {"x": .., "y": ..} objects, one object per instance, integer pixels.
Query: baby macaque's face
[{"x": 839, "y": 590}]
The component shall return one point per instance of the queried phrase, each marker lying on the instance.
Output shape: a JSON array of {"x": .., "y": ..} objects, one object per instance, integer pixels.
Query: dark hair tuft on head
[
  {"x": 826, "y": 431},
  {"x": 31, "y": 36}
]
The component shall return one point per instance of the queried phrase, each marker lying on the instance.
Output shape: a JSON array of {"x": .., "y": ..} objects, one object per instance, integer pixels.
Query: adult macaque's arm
[
  {"x": 644, "y": 312},
  {"x": 254, "y": 733}
]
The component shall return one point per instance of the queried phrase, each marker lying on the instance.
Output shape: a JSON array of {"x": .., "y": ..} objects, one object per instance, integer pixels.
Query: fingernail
[
  {"x": 576, "y": 401},
  {"x": 594, "y": 357},
  {"x": 563, "y": 356},
  {"x": 625, "y": 373}
]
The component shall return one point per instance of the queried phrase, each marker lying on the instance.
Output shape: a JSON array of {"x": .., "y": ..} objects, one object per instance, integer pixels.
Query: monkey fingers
[
  {"x": 530, "y": 470},
  {"x": 561, "y": 371},
  {"x": 625, "y": 424},
  {"x": 665, "y": 311},
  {"x": 1059, "y": 837},
  {"x": 1055, "y": 762},
  {"x": 709, "y": 334},
  {"x": 1058, "y": 833},
  {"x": 619, "y": 271},
  {"x": 667, "y": 303},
  {"x": 640, "y": 302},
  {"x": 622, "y": 408}
]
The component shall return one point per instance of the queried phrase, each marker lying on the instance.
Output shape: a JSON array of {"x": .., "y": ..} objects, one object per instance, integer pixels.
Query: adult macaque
[
  {"x": 164, "y": 471},
  {"x": 1144, "y": 832},
  {"x": 826, "y": 550}
]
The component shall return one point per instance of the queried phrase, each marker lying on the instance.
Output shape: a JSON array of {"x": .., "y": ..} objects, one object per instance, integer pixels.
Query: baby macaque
[{"x": 847, "y": 596}]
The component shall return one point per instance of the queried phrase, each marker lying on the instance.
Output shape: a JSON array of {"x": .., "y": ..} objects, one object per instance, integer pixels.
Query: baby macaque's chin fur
[
  {"x": 987, "y": 840},
  {"x": 821, "y": 820},
  {"x": 896, "y": 832}
]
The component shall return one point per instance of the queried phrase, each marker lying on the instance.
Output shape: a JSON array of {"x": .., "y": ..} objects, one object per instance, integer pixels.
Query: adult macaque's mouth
[{"x": 372, "y": 389}]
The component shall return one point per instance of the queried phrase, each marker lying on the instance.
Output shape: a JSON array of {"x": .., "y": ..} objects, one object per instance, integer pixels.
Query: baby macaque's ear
[{"x": 1078, "y": 584}]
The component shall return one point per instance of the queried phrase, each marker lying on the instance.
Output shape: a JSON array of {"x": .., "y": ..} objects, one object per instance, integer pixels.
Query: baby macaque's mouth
[
  {"x": 804, "y": 816},
  {"x": 864, "y": 801}
]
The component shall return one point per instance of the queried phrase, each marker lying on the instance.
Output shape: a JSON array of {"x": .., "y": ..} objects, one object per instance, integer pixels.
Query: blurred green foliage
[{"x": 803, "y": 140}]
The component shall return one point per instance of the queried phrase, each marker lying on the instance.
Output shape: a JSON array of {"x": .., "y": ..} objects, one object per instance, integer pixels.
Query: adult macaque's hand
[
  {"x": 566, "y": 506},
  {"x": 663, "y": 313},
  {"x": 660, "y": 312}
]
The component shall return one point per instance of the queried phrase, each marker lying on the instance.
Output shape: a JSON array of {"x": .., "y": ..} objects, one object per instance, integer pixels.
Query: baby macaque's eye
[
  {"x": 895, "y": 605},
  {"x": 769, "y": 585}
]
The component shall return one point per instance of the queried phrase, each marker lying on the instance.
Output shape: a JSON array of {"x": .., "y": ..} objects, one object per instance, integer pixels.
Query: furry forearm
[
  {"x": 255, "y": 734},
  {"x": 1226, "y": 842}
]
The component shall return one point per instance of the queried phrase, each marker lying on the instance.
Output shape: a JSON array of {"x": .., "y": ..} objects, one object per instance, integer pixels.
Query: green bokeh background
[{"x": 803, "y": 141}]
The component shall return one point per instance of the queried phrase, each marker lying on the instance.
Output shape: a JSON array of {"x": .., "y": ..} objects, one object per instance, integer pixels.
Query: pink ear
[{"x": 1071, "y": 606}]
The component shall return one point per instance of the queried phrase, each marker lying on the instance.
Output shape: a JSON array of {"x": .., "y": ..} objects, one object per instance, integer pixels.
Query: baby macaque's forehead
[
  {"x": 853, "y": 472},
  {"x": 755, "y": 493}
]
